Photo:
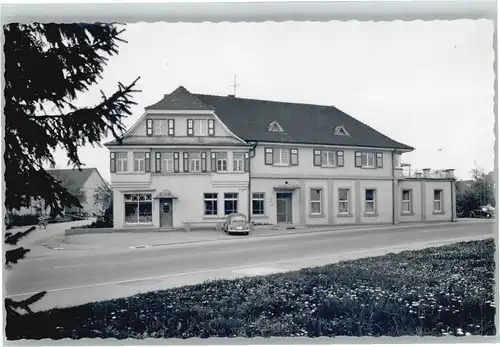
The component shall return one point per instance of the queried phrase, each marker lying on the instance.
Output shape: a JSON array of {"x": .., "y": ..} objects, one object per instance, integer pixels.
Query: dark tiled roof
[
  {"x": 179, "y": 99},
  {"x": 302, "y": 123},
  {"x": 72, "y": 179}
]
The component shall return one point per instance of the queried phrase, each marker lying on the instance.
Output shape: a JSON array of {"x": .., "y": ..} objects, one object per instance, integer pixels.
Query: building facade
[{"x": 193, "y": 159}]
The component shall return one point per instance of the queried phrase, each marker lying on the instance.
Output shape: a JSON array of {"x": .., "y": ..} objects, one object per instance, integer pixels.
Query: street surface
[{"x": 99, "y": 276}]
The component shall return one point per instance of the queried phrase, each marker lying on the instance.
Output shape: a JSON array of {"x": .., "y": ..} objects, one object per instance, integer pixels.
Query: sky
[{"x": 425, "y": 84}]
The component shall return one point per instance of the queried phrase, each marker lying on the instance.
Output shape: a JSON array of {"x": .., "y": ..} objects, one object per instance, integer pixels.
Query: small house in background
[{"x": 83, "y": 183}]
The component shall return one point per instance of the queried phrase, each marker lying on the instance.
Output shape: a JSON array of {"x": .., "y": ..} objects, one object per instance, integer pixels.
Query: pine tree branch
[
  {"x": 14, "y": 255},
  {"x": 14, "y": 239}
]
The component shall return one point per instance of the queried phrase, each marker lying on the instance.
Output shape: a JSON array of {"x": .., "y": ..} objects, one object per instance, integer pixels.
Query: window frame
[
  {"x": 346, "y": 201},
  {"x": 440, "y": 201},
  {"x": 164, "y": 160},
  {"x": 234, "y": 199},
  {"x": 406, "y": 201},
  {"x": 192, "y": 159},
  {"x": 320, "y": 201},
  {"x": 159, "y": 125},
  {"x": 221, "y": 158},
  {"x": 373, "y": 201},
  {"x": 121, "y": 163},
  {"x": 240, "y": 161},
  {"x": 201, "y": 125},
  {"x": 214, "y": 198},
  {"x": 333, "y": 158},
  {"x": 130, "y": 201},
  {"x": 138, "y": 161},
  {"x": 260, "y": 199},
  {"x": 281, "y": 150}
]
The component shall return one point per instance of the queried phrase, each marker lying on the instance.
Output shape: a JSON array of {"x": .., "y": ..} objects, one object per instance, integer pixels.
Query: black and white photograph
[{"x": 249, "y": 179}]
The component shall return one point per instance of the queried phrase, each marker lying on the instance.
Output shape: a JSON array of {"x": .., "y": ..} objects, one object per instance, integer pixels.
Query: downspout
[
  {"x": 393, "y": 192},
  {"x": 250, "y": 156},
  {"x": 453, "y": 205}
]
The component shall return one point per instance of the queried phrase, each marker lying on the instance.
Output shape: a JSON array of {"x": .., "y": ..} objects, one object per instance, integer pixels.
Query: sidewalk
[{"x": 120, "y": 241}]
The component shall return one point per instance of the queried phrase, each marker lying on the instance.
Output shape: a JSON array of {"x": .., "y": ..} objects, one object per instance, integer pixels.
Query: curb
[{"x": 357, "y": 229}]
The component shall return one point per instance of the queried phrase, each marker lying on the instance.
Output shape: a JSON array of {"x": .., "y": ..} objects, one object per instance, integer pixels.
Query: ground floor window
[
  {"x": 210, "y": 202},
  {"x": 230, "y": 203},
  {"x": 138, "y": 208},
  {"x": 258, "y": 204},
  {"x": 344, "y": 200},
  {"x": 370, "y": 206},
  {"x": 406, "y": 200},
  {"x": 438, "y": 202},
  {"x": 316, "y": 203}
]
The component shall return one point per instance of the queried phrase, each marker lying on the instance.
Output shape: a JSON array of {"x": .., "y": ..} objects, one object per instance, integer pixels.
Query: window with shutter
[
  {"x": 149, "y": 127},
  {"x": 147, "y": 162},
  {"x": 176, "y": 162},
  {"x": 171, "y": 127},
  {"x": 112, "y": 162},
  {"x": 190, "y": 131},
  {"x": 357, "y": 159},
  {"x": 340, "y": 158},
  {"x": 268, "y": 156},
  {"x": 294, "y": 156},
  {"x": 317, "y": 157},
  {"x": 211, "y": 127},
  {"x": 380, "y": 160}
]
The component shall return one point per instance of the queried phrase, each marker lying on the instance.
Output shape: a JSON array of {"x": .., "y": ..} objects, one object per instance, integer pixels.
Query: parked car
[
  {"x": 483, "y": 211},
  {"x": 236, "y": 223}
]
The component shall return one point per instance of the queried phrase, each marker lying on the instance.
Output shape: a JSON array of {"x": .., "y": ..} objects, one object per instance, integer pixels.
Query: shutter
[
  {"x": 149, "y": 127},
  {"x": 203, "y": 161},
  {"x": 213, "y": 163},
  {"x": 246, "y": 163},
  {"x": 380, "y": 159},
  {"x": 147, "y": 162},
  {"x": 211, "y": 127},
  {"x": 171, "y": 127},
  {"x": 190, "y": 131},
  {"x": 294, "y": 156},
  {"x": 268, "y": 156},
  {"x": 176, "y": 162},
  {"x": 185, "y": 163},
  {"x": 357, "y": 159},
  {"x": 340, "y": 158},
  {"x": 158, "y": 162},
  {"x": 317, "y": 157},
  {"x": 112, "y": 162}
]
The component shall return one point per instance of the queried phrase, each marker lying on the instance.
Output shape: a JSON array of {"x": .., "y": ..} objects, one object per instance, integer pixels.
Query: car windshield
[{"x": 238, "y": 219}]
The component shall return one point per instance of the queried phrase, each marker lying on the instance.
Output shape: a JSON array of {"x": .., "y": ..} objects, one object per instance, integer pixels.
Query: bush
[{"x": 436, "y": 291}]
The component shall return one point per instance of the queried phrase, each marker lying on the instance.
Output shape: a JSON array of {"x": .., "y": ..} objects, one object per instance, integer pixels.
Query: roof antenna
[{"x": 234, "y": 85}]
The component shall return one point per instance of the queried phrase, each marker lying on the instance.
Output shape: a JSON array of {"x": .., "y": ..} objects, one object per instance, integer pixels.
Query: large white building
[{"x": 192, "y": 159}]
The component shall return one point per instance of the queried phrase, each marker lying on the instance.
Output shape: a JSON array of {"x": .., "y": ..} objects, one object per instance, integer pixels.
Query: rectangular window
[
  {"x": 281, "y": 156},
  {"x": 121, "y": 162},
  {"x": 195, "y": 162},
  {"x": 139, "y": 161},
  {"x": 368, "y": 160},
  {"x": 138, "y": 208},
  {"x": 316, "y": 203},
  {"x": 161, "y": 127},
  {"x": 438, "y": 202},
  {"x": 230, "y": 203},
  {"x": 327, "y": 158},
  {"x": 370, "y": 206},
  {"x": 200, "y": 127},
  {"x": 258, "y": 204},
  {"x": 210, "y": 202},
  {"x": 406, "y": 198},
  {"x": 238, "y": 162},
  {"x": 344, "y": 201},
  {"x": 167, "y": 162},
  {"x": 221, "y": 161}
]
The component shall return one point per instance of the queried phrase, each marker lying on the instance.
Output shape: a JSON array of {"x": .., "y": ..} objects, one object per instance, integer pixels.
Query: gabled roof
[
  {"x": 72, "y": 180},
  {"x": 180, "y": 99},
  {"x": 304, "y": 123}
]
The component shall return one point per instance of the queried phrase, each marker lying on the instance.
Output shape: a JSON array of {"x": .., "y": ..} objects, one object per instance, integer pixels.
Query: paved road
[{"x": 72, "y": 281}]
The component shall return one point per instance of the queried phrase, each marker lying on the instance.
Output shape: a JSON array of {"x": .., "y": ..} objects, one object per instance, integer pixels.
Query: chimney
[
  {"x": 427, "y": 173},
  {"x": 418, "y": 174}
]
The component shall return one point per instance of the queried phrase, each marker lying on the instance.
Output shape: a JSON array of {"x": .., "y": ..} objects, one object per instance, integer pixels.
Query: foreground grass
[{"x": 436, "y": 291}]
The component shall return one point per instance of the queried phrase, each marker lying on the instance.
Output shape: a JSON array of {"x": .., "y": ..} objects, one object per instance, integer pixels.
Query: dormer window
[
  {"x": 275, "y": 127},
  {"x": 340, "y": 131}
]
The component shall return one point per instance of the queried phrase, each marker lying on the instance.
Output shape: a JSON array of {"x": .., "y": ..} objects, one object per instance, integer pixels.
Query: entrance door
[
  {"x": 284, "y": 207},
  {"x": 166, "y": 220}
]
